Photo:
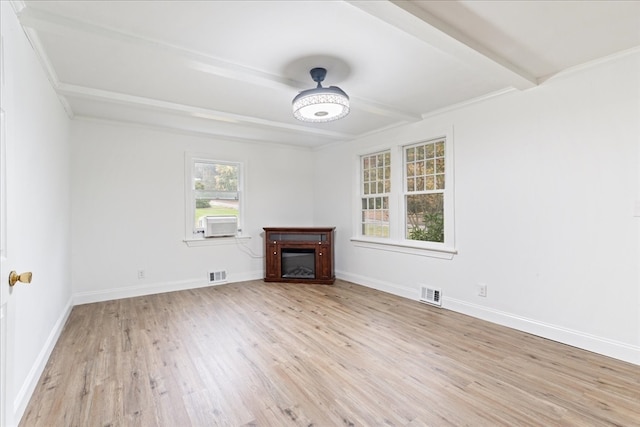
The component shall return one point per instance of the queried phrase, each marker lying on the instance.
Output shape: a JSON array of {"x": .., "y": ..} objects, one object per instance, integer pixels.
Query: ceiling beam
[
  {"x": 75, "y": 91},
  {"x": 417, "y": 22}
]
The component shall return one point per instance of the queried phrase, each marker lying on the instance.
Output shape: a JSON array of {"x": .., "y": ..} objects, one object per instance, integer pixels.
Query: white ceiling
[{"x": 231, "y": 68}]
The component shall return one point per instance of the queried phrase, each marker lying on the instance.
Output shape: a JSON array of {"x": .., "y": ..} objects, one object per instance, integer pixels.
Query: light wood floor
[{"x": 258, "y": 354}]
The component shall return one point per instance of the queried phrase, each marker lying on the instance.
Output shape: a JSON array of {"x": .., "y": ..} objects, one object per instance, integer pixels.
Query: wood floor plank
[{"x": 275, "y": 354}]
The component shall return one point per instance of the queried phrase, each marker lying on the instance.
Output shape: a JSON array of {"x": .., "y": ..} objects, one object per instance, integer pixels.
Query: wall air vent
[
  {"x": 218, "y": 276},
  {"x": 430, "y": 295}
]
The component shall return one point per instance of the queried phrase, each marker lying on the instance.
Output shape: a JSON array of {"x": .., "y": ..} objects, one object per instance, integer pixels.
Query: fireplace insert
[{"x": 298, "y": 263}]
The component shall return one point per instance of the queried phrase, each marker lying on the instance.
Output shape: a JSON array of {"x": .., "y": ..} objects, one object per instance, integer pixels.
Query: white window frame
[
  {"x": 193, "y": 236},
  {"x": 397, "y": 242}
]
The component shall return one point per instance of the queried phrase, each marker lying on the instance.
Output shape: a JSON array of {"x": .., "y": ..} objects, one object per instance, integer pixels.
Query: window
[
  {"x": 214, "y": 188},
  {"x": 424, "y": 191},
  {"x": 375, "y": 188},
  {"x": 406, "y": 197}
]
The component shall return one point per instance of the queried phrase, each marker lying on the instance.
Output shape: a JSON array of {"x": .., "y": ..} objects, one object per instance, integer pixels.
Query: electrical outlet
[
  {"x": 482, "y": 290},
  {"x": 141, "y": 274}
]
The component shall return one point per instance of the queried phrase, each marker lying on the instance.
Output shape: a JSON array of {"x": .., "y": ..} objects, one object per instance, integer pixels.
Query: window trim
[
  {"x": 412, "y": 249},
  {"x": 396, "y": 242},
  {"x": 191, "y": 237}
]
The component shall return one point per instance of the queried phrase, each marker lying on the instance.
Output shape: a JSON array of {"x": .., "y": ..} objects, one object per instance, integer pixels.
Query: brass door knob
[{"x": 15, "y": 277}]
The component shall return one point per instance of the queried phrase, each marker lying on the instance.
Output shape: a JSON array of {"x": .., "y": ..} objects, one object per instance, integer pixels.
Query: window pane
[
  {"x": 411, "y": 154},
  {"x": 216, "y": 190},
  {"x": 429, "y": 183},
  {"x": 439, "y": 165},
  {"x": 430, "y": 151},
  {"x": 425, "y": 217},
  {"x": 440, "y": 149},
  {"x": 375, "y": 219},
  {"x": 429, "y": 170},
  {"x": 440, "y": 182}
]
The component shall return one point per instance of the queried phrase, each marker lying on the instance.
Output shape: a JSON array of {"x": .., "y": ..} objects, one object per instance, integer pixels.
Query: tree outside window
[{"x": 424, "y": 191}]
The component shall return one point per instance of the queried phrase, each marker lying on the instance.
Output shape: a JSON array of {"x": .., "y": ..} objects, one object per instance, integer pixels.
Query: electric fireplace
[{"x": 299, "y": 254}]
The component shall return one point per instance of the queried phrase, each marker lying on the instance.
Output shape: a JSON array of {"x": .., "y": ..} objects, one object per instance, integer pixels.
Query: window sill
[
  {"x": 215, "y": 241},
  {"x": 442, "y": 252}
]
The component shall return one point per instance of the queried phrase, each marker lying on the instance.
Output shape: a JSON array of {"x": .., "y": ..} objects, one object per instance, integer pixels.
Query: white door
[
  {"x": 8, "y": 263},
  {"x": 4, "y": 273}
]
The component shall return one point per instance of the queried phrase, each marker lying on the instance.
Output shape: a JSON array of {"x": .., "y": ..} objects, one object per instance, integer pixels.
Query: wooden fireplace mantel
[{"x": 283, "y": 245}]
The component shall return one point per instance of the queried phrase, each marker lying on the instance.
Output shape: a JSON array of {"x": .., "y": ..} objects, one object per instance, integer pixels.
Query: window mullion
[{"x": 397, "y": 180}]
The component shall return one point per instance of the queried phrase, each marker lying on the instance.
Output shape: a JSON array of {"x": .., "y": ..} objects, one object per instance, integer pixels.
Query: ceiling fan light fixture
[{"x": 321, "y": 104}]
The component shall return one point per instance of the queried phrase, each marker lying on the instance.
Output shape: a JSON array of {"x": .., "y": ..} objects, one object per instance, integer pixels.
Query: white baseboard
[
  {"x": 380, "y": 285},
  {"x": 604, "y": 346},
  {"x": 31, "y": 381},
  {"x": 156, "y": 288},
  {"x": 617, "y": 350}
]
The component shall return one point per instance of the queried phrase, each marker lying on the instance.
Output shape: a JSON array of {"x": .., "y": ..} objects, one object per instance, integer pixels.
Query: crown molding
[
  {"x": 590, "y": 64},
  {"x": 18, "y": 6}
]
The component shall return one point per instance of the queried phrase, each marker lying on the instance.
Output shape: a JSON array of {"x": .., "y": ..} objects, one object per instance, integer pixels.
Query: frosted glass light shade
[{"x": 322, "y": 104}]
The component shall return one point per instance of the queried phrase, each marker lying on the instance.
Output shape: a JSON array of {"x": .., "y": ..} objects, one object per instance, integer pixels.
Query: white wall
[
  {"x": 545, "y": 186},
  {"x": 38, "y": 214},
  {"x": 128, "y": 208}
]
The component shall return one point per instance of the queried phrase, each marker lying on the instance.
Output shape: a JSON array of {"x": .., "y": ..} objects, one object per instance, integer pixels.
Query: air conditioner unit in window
[{"x": 219, "y": 226}]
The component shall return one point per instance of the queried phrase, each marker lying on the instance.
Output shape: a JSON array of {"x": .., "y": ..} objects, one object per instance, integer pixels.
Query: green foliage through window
[
  {"x": 424, "y": 191},
  {"x": 425, "y": 217}
]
